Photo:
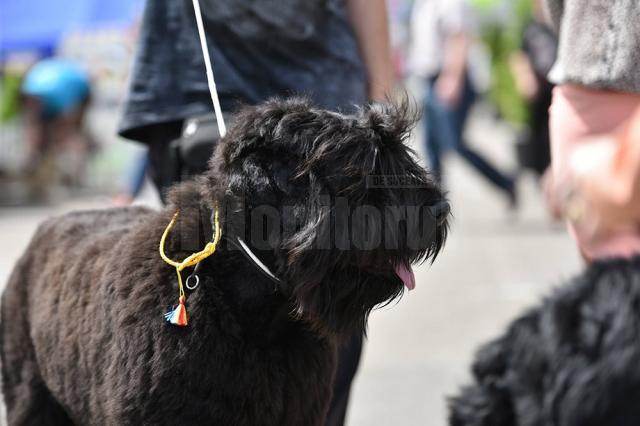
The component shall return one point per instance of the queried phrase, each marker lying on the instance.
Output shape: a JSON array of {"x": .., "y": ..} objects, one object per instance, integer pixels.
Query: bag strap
[{"x": 209, "y": 68}]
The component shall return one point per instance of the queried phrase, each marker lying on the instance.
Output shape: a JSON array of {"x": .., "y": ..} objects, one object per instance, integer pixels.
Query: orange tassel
[{"x": 178, "y": 315}]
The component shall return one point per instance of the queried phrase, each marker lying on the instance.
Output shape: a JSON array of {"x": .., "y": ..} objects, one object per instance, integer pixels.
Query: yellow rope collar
[{"x": 178, "y": 315}]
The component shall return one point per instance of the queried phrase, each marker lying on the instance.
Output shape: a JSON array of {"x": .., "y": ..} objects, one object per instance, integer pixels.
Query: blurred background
[
  {"x": 503, "y": 252},
  {"x": 97, "y": 37}
]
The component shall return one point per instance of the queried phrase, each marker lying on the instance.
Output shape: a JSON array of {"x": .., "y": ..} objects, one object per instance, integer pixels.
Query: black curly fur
[
  {"x": 83, "y": 339},
  {"x": 572, "y": 361}
]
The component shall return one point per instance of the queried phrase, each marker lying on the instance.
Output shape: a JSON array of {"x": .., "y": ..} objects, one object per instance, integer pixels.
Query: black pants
[
  {"x": 164, "y": 172},
  {"x": 348, "y": 362},
  {"x": 162, "y": 167}
]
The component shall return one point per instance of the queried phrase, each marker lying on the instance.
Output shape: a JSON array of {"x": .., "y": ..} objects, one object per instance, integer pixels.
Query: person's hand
[
  {"x": 528, "y": 87},
  {"x": 605, "y": 173},
  {"x": 608, "y": 195},
  {"x": 449, "y": 89},
  {"x": 525, "y": 78}
]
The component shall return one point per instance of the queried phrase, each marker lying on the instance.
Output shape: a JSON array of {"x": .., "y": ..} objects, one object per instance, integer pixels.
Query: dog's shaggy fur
[
  {"x": 83, "y": 340},
  {"x": 573, "y": 361}
]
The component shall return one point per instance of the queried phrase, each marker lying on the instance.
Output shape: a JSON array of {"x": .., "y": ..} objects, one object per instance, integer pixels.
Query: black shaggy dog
[
  {"x": 573, "y": 361},
  {"x": 83, "y": 336}
]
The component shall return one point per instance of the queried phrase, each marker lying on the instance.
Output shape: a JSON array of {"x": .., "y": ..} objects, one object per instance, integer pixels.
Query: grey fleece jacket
[{"x": 599, "y": 43}]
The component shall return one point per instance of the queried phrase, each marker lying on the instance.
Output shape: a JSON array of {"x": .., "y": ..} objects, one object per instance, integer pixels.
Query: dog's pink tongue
[{"x": 407, "y": 276}]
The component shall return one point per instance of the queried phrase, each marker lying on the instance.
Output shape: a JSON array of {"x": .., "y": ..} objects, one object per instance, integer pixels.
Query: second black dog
[{"x": 573, "y": 361}]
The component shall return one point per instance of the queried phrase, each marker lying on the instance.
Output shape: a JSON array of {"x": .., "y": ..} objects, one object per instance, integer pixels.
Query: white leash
[{"x": 222, "y": 128}]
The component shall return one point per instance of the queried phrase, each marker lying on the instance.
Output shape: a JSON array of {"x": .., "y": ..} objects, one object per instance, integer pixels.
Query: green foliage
[
  {"x": 502, "y": 38},
  {"x": 10, "y": 99}
]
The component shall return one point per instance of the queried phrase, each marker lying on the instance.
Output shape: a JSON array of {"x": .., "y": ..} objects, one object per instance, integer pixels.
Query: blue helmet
[{"x": 60, "y": 85}]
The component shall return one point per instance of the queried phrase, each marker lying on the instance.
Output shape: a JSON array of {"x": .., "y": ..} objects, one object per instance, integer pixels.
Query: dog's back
[
  {"x": 573, "y": 361},
  {"x": 83, "y": 340},
  {"x": 42, "y": 291}
]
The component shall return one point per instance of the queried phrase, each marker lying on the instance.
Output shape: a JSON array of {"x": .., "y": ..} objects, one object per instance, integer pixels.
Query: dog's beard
[
  {"x": 337, "y": 289},
  {"x": 340, "y": 303}
]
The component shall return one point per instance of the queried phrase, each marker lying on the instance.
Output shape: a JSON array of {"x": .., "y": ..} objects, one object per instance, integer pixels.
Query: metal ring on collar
[{"x": 194, "y": 285}]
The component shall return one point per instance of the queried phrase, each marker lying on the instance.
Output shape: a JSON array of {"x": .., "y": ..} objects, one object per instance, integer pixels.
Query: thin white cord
[{"x": 222, "y": 129}]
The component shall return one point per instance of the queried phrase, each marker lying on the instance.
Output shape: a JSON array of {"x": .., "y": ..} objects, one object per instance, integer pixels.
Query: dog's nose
[{"x": 440, "y": 211}]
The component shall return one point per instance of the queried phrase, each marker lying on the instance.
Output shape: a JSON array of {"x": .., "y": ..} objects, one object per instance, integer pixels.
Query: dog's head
[{"x": 336, "y": 203}]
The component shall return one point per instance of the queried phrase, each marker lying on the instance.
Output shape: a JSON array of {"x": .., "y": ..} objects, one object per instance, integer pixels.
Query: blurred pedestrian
[
  {"x": 56, "y": 94},
  {"x": 597, "y": 93},
  {"x": 334, "y": 51},
  {"x": 530, "y": 66},
  {"x": 441, "y": 37}
]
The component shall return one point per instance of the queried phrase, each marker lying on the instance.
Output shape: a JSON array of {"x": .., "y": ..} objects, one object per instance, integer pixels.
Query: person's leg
[
  {"x": 492, "y": 174},
  {"x": 432, "y": 142},
  {"x": 36, "y": 132},
  {"x": 139, "y": 172},
  {"x": 72, "y": 146},
  {"x": 348, "y": 359},
  {"x": 457, "y": 119},
  {"x": 162, "y": 165},
  {"x": 539, "y": 124}
]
